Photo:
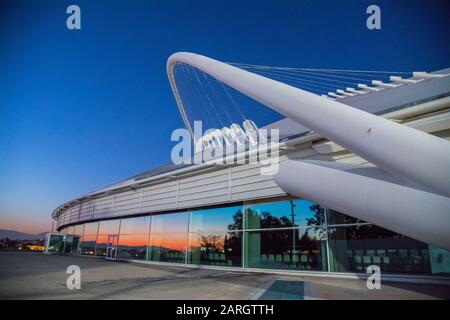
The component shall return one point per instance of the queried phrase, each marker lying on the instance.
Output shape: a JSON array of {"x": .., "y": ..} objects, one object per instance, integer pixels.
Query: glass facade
[
  {"x": 109, "y": 227},
  {"x": 132, "y": 246},
  {"x": 283, "y": 214},
  {"x": 133, "y": 238},
  {"x": 169, "y": 247},
  {"x": 55, "y": 244},
  {"x": 354, "y": 248},
  {"x": 286, "y": 235},
  {"x": 216, "y": 220},
  {"x": 105, "y": 228},
  {"x": 89, "y": 238},
  {"x": 87, "y": 245},
  {"x": 168, "y": 238},
  {"x": 215, "y": 236},
  {"x": 296, "y": 249},
  {"x": 216, "y": 248}
]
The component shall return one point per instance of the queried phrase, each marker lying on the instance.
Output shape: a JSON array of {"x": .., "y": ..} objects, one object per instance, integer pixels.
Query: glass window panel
[
  {"x": 101, "y": 244},
  {"x": 109, "y": 227},
  {"x": 133, "y": 246},
  {"x": 216, "y": 220},
  {"x": 90, "y": 229},
  {"x": 222, "y": 249},
  {"x": 136, "y": 225},
  {"x": 55, "y": 243},
  {"x": 75, "y": 244},
  {"x": 284, "y": 214},
  {"x": 78, "y": 230},
  {"x": 68, "y": 243},
  {"x": 170, "y": 223},
  {"x": 440, "y": 260},
  {"x": 71, "y": 244},
  {"x": 87, "y": 245},
  {"x": 296, "y": 249},
  {"x": 354, "y": 248},
  {"x": 70, "y": 230},
  {"x": 167, "y": 247}
]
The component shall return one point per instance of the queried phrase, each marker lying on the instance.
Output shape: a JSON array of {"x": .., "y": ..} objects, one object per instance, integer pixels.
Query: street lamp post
[{"x": 293, "y": 224}]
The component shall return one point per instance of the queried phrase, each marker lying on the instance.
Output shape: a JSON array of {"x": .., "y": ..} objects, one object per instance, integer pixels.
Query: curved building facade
[
  {"x": 282, "y": 234},
  {"x": 232, "y": 216}
]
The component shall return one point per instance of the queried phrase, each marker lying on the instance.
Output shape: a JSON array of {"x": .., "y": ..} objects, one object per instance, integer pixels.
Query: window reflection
[
  {"x": 133, "y": 246},
  {"x": 169, "y": 223},
  {"x": 296, "y": 249},
  {"x": 87, "y": 245},
  {"x": 90, "y": 229},
  {"x": 101, "y": 244},
  {"x": 138, "y": 225},
  {"x": 216, "y": 220},
  {"x": 167, "y": 247},
  {"x": 354, "y": 248},
  {"x": 284, "y": 214},
  {"x": 223, "y": 249},
  {"x": 71, "y": 243},
  {"x": 70, "y": 230},
  {"x": 78, "y": 230},
  {"x": 109, "y": 227},
  {"x": 55, "y": 243},
  {"x": 281, "y": 235}
]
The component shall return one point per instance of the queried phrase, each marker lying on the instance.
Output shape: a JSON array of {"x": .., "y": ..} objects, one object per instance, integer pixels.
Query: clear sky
[{"x": 83, "y": 109}]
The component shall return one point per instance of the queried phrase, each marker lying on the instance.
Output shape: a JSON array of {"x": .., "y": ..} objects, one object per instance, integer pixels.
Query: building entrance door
[
  {"x": 111, "y": 247},
  {"x": 75, "y": 244},
  {"x": 71, "y": 244},
  {"x": 68, "y": 244}
]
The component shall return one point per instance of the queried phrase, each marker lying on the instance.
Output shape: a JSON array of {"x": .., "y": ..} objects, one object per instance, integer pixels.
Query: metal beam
[{"x": 372, "y": 195}]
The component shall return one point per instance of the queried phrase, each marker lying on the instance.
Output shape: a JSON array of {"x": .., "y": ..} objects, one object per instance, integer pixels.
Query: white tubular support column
[
  {"x": 371, "y": 195},
  {"x": 396, "y": 148}
]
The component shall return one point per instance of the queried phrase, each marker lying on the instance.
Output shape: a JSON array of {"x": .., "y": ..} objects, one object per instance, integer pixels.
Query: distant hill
[{"x": 16, "y": 235}]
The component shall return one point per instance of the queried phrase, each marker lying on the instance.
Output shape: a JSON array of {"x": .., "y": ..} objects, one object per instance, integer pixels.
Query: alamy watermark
[
  {"x": 374, "y": 20},
  {"x": 73, "y": 22},
  {"x": 374, "y": 280},
  {"x": 230, "y": 145},
  {"x": 73, "y": 281}
]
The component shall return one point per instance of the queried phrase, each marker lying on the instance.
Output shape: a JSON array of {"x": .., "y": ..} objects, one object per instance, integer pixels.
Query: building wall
[{"x": 220, "y": 186}]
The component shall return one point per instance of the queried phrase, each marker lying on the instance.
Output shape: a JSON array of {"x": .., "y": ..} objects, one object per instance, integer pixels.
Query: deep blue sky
[{"x": 83, "y": 109}]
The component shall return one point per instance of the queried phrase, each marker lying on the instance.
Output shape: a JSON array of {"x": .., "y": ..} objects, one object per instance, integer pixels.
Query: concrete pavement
[{"x": 38, "y": 276}]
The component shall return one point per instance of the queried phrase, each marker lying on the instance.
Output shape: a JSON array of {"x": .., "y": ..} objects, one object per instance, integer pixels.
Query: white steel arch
[
  {"x": 402, "y": 151},
  {"x": 372, "y": 195}
]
